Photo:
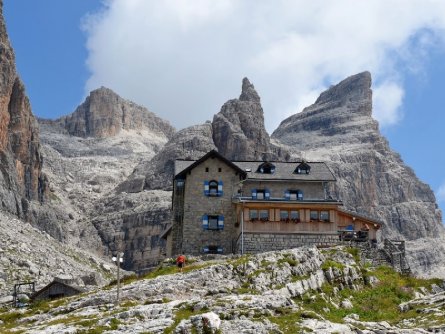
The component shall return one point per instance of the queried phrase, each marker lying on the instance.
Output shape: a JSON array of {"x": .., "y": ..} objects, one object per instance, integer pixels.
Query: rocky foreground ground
[
  {"x": 293, "y": 291},
  {"x": 28, "y": 254}
]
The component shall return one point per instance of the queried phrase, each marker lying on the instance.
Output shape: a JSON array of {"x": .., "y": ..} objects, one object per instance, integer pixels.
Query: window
[
  {"x": 213, "y": 188},
  {"x": 266, "y": 168},
  {"x": 213, "y": 249},
  {"x": 284, "y": 215},
  {"x": 264, "y": 215},
  {"x": 295, "y": 216},
  {"x": 207, "y": 169},
  {"x": 213, "y": 222},
  {"x": 260, "y": 194},
  {"x": 219, "y": 170},
  {"x": 314, "y": 215},
  {"x": 253, "y": 215},
  {"x": 303, "y": 168},
  {"x": 294, "y": 195},
  {"x": 324, "y": 216}
]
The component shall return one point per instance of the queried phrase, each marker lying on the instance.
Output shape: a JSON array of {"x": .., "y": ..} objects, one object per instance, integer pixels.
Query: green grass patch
[
  {"x": 292, "y": 262},
  {"x": 372, "y": 303},
  {"x": 9, "y": 318},
  {"x": 287, "y": 322},
  {"x": 265, "y": 263},
  {"x": 355, "y": 252},
  {"x": 332, "y": 264},
  {"x": 242, "y": 260},
  {"x": 172, "y": 269}
]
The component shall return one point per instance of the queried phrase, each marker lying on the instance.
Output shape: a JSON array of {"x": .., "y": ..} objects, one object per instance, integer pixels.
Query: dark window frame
[
  {"x": 326, "y": 215},
  {"x": 213, "y": 188},
  {"x": 256, "y": 215},
  {"x": 313, "y": 217}
]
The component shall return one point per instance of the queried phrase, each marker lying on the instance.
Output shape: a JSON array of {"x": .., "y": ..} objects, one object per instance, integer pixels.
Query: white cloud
[
  {"x": 440, "y": 193},
  {"x": 387, "y": 100},
  {"x": 184, "y": 58}
]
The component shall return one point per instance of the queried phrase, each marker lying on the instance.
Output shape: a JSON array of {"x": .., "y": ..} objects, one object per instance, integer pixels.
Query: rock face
[
  {"x": 190, "y": 143},
  {"x": 238, "y": 129},
  {"x": 132, "y": 223},
  {"x": 106, "y": 114},
  {"x": 138, "y": 212},
  {"x": 21, "y": 179},
  {"x": 29, "y": 254},
  {"x": 371, "y": 178}
]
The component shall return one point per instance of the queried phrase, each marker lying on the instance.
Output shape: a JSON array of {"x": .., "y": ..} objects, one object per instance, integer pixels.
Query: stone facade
[
  {"x": 267, "y": 221},
  {"x": 189, "y": 236}
]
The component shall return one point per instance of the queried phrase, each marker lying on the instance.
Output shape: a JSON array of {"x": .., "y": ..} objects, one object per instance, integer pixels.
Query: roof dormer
[
  {"x": 266, "y": 168},
  {"x": 303, "y": 168}
]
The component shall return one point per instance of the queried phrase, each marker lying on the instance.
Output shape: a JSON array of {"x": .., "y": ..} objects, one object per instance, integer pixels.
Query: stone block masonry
[{"x": 263, "y": 242}]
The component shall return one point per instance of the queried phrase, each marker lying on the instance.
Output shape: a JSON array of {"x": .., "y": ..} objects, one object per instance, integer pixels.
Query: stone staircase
[{"x": 391, "y": 254}]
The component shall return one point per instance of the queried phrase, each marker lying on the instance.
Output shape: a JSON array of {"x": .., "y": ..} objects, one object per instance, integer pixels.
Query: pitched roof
[
  {"x": 54, "y": 282},
  {"x": 286, "y": 171},
  {"x": 319, "y": 171},
  {"x": 183, "y": 166},
  {"x": 361, "y": 215}
]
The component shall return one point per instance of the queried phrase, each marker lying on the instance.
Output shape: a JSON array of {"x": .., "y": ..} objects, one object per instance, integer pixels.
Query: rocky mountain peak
[
  {"x": 354, "y": 88},
  {"x": 339, "y": 129},
  {"x": 248, "y": 92},
  {"x": 238, "y": 129},
  {"x": 342, "y": 114},
  {"x": 105, "y": 114}
]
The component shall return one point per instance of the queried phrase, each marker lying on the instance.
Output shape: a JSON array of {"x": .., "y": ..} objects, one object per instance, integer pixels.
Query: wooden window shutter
[
  {"x": 220, "y": 222},
  {"x": 205, "y": 222},
  {"x": 220, "y": 188},
  {"x": 287, "y": 195},
  {"x": 206, "y": 188}
]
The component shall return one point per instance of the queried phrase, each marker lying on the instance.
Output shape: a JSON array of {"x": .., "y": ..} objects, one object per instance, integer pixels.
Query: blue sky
[{"x": 183, "y": 59}]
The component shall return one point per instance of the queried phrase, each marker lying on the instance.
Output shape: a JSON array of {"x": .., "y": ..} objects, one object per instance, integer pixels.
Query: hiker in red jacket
[{"x": 180, "y": 262}]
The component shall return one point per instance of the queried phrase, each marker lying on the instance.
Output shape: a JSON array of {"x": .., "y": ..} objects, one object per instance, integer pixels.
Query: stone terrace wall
[{"x": 264, "y": 242}]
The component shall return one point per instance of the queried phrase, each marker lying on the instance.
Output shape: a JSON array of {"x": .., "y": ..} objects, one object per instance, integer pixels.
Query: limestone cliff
[
  {"x": 372, "y": 178},
  {"x": 140, "y": 214},
  {"x": 190, "y": 143},
  {"x": 21, "y": 178},
  {"x": 106, "y": 114}
]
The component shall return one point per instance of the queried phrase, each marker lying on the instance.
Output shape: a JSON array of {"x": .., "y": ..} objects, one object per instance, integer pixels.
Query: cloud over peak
[{"x": 184, "y": 58}]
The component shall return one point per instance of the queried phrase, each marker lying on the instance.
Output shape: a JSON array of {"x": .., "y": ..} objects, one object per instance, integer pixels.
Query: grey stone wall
[
  {"x": 263, "y": 242},
  {"x": 196, "y": 204}
]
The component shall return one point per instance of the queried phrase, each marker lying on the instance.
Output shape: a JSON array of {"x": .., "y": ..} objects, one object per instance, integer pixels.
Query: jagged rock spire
[
  {"x": 238, "y": 129},
  {"x": 248, "y": 92}
]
